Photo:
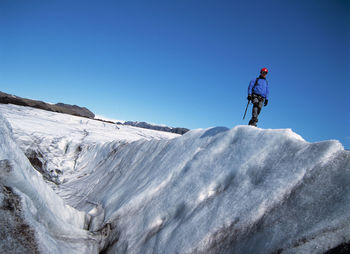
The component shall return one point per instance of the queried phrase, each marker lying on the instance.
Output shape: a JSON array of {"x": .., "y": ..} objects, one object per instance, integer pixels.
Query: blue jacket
[{"x": 261, "y": 88}]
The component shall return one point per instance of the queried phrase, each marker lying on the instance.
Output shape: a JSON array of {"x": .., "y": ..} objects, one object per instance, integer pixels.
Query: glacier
[{"x": 83, "y": 186}]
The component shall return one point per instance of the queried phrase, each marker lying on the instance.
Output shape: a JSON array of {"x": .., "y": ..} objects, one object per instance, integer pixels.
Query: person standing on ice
[{"x": 258, "y": 92}]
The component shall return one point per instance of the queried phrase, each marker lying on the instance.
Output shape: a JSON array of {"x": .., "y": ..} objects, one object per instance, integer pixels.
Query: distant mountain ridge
[
  {"x": 59, "y": 107},
  {"x": 80, "y": 111}
]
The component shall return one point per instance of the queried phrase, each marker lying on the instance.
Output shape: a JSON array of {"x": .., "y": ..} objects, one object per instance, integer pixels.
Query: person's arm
[
  {"x": 267, "y": 91},
  {"x": 250, "y": 87},
  {"x": 267, "y": 94}
]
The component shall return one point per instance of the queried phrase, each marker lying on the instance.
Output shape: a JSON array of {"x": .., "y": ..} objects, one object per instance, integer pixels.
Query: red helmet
[{"x": 264, "y": 70}]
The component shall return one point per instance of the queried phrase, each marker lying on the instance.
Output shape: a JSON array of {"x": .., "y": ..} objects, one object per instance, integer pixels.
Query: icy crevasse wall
[
  {"x": 33, "y": 218},
  {"x": 244, "y": 190}
]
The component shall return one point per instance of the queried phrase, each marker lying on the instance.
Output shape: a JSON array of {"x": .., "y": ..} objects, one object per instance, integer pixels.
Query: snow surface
[
  {"x": 128, "y": 190},
  {"x": 58, "y": 139},
  {"x": 53, "y": 220}
]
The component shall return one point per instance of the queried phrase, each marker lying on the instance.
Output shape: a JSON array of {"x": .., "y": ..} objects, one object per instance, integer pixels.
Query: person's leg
[
  {"x": 258, "y": 104},
  {"x": 255, "y": 111}
]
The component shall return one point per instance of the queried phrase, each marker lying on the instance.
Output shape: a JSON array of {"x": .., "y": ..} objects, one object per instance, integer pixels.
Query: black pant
[{"x": 258, "y": 102}]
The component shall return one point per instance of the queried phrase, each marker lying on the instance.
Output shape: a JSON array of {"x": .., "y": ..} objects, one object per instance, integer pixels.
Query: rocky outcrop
[
  {"x": 145, "y": 125},
  {"x": 59, "y": 107}
]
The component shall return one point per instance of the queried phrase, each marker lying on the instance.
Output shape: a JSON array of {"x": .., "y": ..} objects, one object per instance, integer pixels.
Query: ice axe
[{"x": 246, "y": 109}]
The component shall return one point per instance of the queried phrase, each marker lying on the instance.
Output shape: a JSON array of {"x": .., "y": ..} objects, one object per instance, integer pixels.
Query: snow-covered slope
[
  {"x": 219, "y": 190},
  {"x": 53, "y": 142}
]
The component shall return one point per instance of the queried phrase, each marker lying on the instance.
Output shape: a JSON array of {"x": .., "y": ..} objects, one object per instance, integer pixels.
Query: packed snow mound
[
  {"x": 217, "y": 190},
  {"x": 244, "y": 190}
]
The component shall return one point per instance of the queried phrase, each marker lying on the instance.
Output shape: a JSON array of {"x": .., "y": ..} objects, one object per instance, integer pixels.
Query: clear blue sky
[{"x": 184, "y": 63}]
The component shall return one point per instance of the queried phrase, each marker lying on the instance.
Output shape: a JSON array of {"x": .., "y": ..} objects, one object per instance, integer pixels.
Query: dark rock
[
  {"x": 105, "y": 121},
  {"x": 39, "y": 163},
  {"x": 343, "y": 248},
  {"x": 16, "y": 235}
]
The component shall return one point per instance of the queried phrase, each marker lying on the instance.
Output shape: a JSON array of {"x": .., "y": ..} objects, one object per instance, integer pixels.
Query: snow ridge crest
[{"x": 216, "y": 190}]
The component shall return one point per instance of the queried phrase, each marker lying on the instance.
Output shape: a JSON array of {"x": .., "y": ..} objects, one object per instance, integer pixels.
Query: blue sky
[{"x": 184, "y": 63}]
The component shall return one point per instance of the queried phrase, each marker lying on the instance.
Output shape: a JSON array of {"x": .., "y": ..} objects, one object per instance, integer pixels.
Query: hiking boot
[{"x": 253, "y": 122}]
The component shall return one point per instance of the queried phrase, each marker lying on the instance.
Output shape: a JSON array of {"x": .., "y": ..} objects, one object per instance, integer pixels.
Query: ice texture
[
  {"x": 32, "y": 203},
  {"x": 53, "y": 142},
  {"x": 216, "y": 190}
]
